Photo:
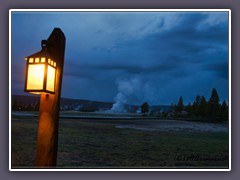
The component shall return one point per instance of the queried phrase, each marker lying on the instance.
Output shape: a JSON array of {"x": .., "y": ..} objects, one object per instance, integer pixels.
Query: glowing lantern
[{"x": 40, "y": 72}]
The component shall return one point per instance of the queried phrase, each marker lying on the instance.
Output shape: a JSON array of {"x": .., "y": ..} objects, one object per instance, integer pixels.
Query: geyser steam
[{"x": 126, "y": 89}]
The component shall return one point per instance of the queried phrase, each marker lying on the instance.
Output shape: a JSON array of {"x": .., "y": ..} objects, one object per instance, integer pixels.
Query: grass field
[{"x": 101, "y": 144}]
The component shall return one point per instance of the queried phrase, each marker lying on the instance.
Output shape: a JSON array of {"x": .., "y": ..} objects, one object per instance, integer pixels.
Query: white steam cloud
[{"x": 127, "y": 88}]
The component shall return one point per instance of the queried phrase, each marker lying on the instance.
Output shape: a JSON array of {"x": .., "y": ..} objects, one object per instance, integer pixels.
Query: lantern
[{"x": 40, "y": 72}]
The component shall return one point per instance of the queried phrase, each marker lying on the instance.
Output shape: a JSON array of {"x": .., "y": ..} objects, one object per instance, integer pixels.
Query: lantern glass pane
[
  {"x": 35, "y": 77},
  {"x": 43, "y": 59},
  {"x": 36, "y": 60},
  {"x": 31, "y": 60},
  {"x": 50, "y": 78}
]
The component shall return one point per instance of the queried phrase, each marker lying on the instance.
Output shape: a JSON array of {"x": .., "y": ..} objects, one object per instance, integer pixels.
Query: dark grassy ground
[{"x": 99, "y": 144}]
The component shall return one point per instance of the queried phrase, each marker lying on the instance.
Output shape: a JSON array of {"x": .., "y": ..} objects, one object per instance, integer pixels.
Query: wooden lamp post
[{"x": 44, "y": 76}]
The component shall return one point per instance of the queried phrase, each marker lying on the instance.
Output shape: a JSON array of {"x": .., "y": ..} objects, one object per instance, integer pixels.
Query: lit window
[
  {"x": 35, "y": 77},
  {"x": 43, "y": 59}
]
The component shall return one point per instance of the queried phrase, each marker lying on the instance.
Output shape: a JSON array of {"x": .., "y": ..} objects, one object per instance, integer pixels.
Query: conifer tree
[
  {"x": 224, "y": 109},
  {"x": 202, "y": 110},
  {"x": 144, "y": 107},
  {"x": 214, "y": 103},
  {"x": 179, "y": 106}
]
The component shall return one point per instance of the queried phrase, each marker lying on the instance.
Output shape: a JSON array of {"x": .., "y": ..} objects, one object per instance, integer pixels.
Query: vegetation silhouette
[{"x": 210, "y": 110}]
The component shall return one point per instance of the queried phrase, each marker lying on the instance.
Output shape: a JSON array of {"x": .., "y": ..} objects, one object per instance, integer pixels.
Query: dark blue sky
[{"x": 135, "y": 56}]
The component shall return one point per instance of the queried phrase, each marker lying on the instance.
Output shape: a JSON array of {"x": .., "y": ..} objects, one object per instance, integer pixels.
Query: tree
[
  {"x": 196, "y": 104},
  {"x": 214, "y": 103},
  {"x": 144, "y": 107},
  {"x": 202, "y": 109},
  {"x": 224, "y": 109},
  {"x": 188, "y": 108},
  {"x": 179, "y": 106}
]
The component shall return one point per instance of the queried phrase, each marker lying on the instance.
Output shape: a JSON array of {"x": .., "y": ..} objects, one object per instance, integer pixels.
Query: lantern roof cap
[{"x": 42, "y": 53}]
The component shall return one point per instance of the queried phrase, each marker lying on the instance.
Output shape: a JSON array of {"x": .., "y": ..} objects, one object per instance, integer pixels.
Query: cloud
[
  {"x": 220, "y": 69},
  {"x": 170, "y": 53}
]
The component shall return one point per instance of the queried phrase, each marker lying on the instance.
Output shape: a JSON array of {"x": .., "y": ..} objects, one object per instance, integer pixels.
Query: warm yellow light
[
  {"x": 50, "y": 78},
  {"x": 31, "y": 60},
  {"x": 43, "y": 59},
  {"x": 36, "y": 60},
  {"x": 35, "y": 76}
]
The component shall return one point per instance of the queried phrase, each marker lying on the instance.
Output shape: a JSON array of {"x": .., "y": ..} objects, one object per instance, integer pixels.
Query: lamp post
[{"x": 44, "y": 76}]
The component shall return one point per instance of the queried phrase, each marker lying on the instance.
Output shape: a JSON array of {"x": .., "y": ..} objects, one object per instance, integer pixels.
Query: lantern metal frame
[{"x": 37, "y": 59}]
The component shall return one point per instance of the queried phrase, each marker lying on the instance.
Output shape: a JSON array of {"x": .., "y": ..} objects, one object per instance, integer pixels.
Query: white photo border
[{"x": 121, "y": 10}]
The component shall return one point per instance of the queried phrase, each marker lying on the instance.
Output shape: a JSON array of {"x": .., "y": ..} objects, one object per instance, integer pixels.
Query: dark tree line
[
  {"x": 201, "y": 108},
  {"x": 19, "y": 106}
]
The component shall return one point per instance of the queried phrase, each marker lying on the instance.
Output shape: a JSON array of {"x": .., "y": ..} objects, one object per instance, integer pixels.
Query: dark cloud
[
  {"x": 219, "y": 69},
  {"x": 159, "y": 51}
]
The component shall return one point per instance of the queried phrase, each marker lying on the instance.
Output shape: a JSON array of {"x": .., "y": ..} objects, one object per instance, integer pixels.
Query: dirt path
[{"x": 176, "y": 125}]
